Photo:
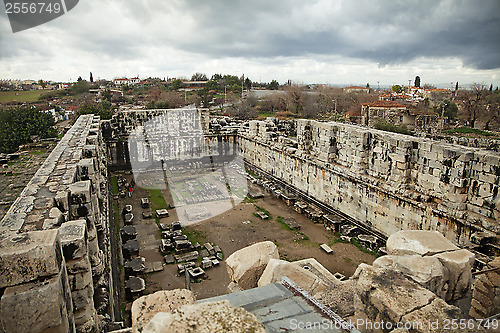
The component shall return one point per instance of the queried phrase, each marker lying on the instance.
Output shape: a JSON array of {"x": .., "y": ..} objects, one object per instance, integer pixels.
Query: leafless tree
[
  {"x": 295, "y": 98},
  {"x": 473, "y": 102},
  {"x": 243, "y": 110},
  {"x": 312, "y": 106}
]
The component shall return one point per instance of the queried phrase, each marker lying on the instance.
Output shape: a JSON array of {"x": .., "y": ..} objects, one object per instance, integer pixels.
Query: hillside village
[{"x": 421, "y": 110}]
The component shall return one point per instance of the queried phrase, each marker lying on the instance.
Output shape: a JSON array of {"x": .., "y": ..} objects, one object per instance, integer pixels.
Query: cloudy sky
[{"x": 321, "y": 41}]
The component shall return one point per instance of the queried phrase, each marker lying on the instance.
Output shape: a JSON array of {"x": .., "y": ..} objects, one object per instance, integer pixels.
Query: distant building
[
  {"x": 422, "y": 120},
  {"x": 390, "y": 111},
  {"x": 193, "y": 85},
  {"x": 356, "y": 89},
  {"x": 125, "y": 81},
  {"x": 353, "y": 116}
]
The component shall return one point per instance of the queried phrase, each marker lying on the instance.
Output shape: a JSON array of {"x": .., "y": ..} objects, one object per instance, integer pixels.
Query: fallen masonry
[{"x": 392, "y": 291}]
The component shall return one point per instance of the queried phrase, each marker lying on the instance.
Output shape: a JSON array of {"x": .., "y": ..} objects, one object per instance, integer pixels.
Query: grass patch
[
  {"x": 284, "y": 226},
  {"x": 468, "y": 130},
  {"x": 157, "y": 200},
  {"x": 349, "y": 260},
  {"x": 116, "y": 211},
  {"x": 114, "y": 185},
  {"x": 265, "y": 114},
  {"x": 21, "y": 96},
  {"x": 356, "y": 243},
  {"x": 253, "y": 174},
  {"x": 265, "y": 211},
  {"x": 249, "y": 199},
  {"x": 388, "y": 127},
  {"x": 195, "y": 236}
]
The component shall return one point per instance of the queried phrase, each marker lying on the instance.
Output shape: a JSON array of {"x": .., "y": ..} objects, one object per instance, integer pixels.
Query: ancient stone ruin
[{"x": 436, "y": 204}]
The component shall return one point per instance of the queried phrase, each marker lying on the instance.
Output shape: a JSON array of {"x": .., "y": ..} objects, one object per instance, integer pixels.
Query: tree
[
  {"x": 312, "y": 106},
  {"x": 79, "y": 79},
  {"x": 199, "y": 77},
  {"x": 456, "y": 86},
  {"x": 243, "y": 111},
  {"x": 176, "y": 84},
  {"x": 17, "y": 125},
  {"x": 473, "y": 102},
  {"x": 91, "y": 78},
  {"x": 295, "y": 98},
  {"x": 397, "y": 88},
  {"x": 248, "y": 84},
  {"x": 491, "y": 87},
  {"x": 106, "y": 95},
  {"x": 42, "y": 83},
  {"x": 274, "y": 85},
  {"x": 417, "y": 81},
  {"x": 103, "y": 109},
  {"x": 80, "y": 87},
  {"x": 449, "y": 109}
]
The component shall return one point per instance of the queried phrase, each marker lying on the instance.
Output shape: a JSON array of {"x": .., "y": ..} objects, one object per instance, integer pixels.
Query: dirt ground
[{"x": 228, "y": 232}]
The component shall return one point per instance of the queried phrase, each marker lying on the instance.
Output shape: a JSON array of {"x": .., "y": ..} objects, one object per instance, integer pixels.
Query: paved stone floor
[{"x": 17, "y": 173}]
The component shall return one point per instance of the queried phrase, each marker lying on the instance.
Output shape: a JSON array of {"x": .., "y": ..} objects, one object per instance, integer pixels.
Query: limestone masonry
[
  {"x": 56, "y": 253},
  {"x": 54, "y": 246},
  {"x": 387, "y": 181}
]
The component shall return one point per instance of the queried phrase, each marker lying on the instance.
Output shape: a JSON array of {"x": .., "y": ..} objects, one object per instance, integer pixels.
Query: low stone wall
[
  {"x": 387, "y": 181},
  {"x": 54, "y": 240}
]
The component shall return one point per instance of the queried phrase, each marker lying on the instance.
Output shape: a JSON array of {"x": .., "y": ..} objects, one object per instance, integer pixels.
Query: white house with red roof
[{"x": 125, "y": 81}]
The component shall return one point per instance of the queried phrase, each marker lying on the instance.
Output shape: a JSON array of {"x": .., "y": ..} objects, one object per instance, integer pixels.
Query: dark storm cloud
[
  {"x": 386, "y": 32},
  {"x": 178, "y": 35}
]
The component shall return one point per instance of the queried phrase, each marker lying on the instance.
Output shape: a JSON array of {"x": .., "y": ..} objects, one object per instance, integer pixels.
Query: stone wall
[
  {"x": 140, "y": 139},
  {"x": 54, "y": 240},
  {"x": 387, "y": 181}
]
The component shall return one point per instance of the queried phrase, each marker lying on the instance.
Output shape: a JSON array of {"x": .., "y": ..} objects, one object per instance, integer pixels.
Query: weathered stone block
[
  {"x": 81, "y": 280},
  {"x": 205, "y": 317},
  {"x": 459, "y": 265},
  {"x": 74, "y": 239},
  {"x": 387, "y": 295},
  {"x": 38, "y": 306},
  {"x": 144, "y": 308},
  {"x": 421, "y": 242},
  {"x": 80, "y": 192},
  {"x": 435, "y": 317},
  {"x": 28, "y": 256},
  {"x": 62, "y": 200},
  {"x": 246, "y": 265},
  {"x": 78, "y": 265},
  {"x": 427, "y": 271},
  {"x": 83, "y": 297},
  {"x": 276, "y": 269}
]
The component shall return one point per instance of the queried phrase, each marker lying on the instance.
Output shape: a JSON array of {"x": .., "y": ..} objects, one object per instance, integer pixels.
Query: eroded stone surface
[
  {"x": 276, "y": 269},
  {"x": 459, "y": 266},
  {"x": 28, "y": 256},
  {"x": 146, "y": 307},
  {"x": 246, "y": 265},
  {"x": 205, "y": 317},
  {"x": 37, "y": 306},
  {"x": 427, "y": 271},
  {"x": 386, "y": 294},
  {"x": 421, "y": 242}
]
